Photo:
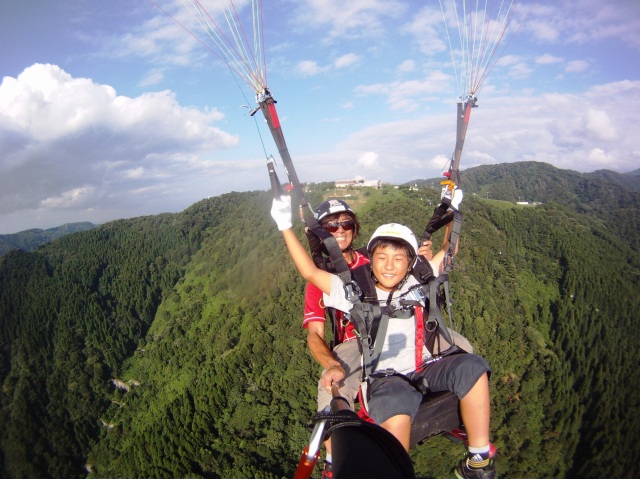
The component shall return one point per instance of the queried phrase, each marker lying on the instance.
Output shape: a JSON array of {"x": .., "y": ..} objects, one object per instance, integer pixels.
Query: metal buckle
[{"x": 352, "y": 292}]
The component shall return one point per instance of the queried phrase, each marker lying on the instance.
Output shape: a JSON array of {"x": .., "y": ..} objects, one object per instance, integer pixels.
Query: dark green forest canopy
[{"x": 171, "y": 345}]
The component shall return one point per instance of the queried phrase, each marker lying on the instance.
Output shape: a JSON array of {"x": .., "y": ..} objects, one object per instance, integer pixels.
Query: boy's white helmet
[{"x": 396, "y": 232}]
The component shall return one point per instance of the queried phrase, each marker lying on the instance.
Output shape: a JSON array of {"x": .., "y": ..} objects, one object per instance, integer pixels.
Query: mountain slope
[
  {"x": 171, "y": 346},
  {"x": 605, "y": 196}
]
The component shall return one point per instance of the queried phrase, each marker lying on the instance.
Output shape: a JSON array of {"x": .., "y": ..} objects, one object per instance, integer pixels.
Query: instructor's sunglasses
[{"x": 334, "y": 226}]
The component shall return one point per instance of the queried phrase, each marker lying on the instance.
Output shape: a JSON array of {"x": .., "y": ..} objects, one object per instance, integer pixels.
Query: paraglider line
[{"x": 224, "y": 60}]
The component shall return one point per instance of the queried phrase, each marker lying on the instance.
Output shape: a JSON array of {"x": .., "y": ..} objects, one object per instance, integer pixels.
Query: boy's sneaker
[
  {"x": 463, "y": 471},
  {"x": 327, "y": 472}
]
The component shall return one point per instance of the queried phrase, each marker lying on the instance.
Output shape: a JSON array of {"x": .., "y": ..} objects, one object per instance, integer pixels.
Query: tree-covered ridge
[
  {"x": 196, "y": 316},
  {"x": 29, "y": 240},
  {"x": 226, "y": 356},
  {"x": 70, "y": 314},
  {"x": 607, "y": 197}
]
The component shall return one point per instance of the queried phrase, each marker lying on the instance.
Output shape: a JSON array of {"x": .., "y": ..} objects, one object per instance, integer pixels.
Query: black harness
[{"x": 370, "y": 319}]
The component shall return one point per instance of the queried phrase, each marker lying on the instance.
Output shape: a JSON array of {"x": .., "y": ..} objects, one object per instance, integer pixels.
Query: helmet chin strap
[{"x": 404, "y": 280}]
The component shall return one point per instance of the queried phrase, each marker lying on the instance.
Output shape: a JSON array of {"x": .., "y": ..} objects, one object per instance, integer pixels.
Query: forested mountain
[
  {"x": 171, "y": 345},
  {"x": 29, "y": 240},
  {"x": 605, "y": 196}
]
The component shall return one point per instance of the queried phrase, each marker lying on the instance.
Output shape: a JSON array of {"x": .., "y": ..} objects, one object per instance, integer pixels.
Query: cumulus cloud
[
  {"x": 71, "y": 143},
  {"x": 588, "y": 21},
  {"x": 548, "y": 59},
  {"x": 600, "y": 125},
  {"x": 152, "y": 77},
  {"x": 347, "y": 60},
  {"x": 599, "y": 158},
  {"x": 353, "y": 19},
  {"x": 407, "y": 66},
  {"x": 309, "y": 68},
  {"x": 69, "y": 199},
  {"x": 424, "y": 30},
  {"x": 576, "y": 66},
  {"x": 591, "y": 130},
  {"x": 369, "y": 160},
  {"x": 408, "y": 95}
]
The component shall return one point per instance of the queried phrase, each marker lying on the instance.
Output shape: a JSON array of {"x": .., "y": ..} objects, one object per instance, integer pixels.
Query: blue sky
[{"x": 110, "y": 110}]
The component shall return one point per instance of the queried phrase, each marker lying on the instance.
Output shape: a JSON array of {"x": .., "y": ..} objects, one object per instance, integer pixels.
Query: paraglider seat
[{"x": 438, "y": 413}]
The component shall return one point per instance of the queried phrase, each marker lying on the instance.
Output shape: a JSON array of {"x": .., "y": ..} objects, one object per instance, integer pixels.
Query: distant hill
[
  {"x": 611, "y": 197},
  {"x": 29, "y": 240},
  {"x": 536, "y": 181}
]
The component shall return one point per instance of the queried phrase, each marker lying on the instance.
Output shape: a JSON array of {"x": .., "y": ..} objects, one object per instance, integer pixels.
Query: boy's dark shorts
[{"x": 394, "y": 395}]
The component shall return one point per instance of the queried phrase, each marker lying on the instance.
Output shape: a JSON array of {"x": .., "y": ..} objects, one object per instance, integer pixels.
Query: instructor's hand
[
  {"x": 454, "y": 197},
  {"x": 333, "y": 375},
  {"x": 457, "y": 198}
]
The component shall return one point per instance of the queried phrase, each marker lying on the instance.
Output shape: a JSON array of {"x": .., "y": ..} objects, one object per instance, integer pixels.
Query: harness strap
[
  {"x": 333, "y": 315},
  {"x": 380, "y": 334},
  {"x": 422, "y": 270},
  {"x": 419, "y": 335},
  {"x": 447, "y": 298},
  {"x": 453, "y": 240},
  {"x": 366, "y": 316},
  {"x": 434, "y": 310},
  {"x": 336, "y": 258},
  {"x": 362, "y": 276}
]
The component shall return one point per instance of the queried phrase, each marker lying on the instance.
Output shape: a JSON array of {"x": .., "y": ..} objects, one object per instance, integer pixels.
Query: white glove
[
  {"x": 281, "y": 212},
  {"x": 455, "y": 198}
]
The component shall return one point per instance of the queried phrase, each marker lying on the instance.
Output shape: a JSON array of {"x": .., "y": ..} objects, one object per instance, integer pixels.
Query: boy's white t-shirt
[{"x": 398, "y": 350}]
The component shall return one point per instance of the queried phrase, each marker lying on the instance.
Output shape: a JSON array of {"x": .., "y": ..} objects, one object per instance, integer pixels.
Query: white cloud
[
  {"x": 159, "y": 39},
  {"x": 542, "y": 29},
  {"x": 600, "y": 125},
  {"x": 369, "y": 161},
  {"x": 153, "y": 77},
  {"x": 69, "y": 142},
  {"x": 424, "y": 28},
  {"x": 347, "y": 60},
  {"x": 309, "y": 68},
  {"x": 352, "y": 19},
  {"x": 509, "y": 60},
  {"x": 407, "y": 66},
  {"x": 408, "y": 95},
  {"x": 598, "y": 158},
  {"x": 582, "y": 132},
  {"x": 586, "y": 22},
  {"x": 134, "y": 173},
  {"x": 69, "y": 199},
  {"x": 548, "y": 59},
  {"x": 520, "y": 71},
  {"x": 576, "y": 66}
]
